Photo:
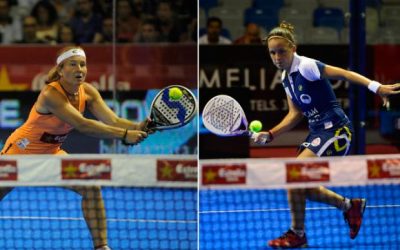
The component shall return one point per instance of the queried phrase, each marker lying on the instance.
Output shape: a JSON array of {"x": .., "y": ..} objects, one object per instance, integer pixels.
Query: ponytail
[{"x": 285, "y": 30}]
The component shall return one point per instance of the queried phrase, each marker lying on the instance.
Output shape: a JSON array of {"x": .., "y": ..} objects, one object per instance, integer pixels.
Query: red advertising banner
[
  {"x": 86, "y": 169},
  {"x": 137, "y": 66},
  {"x": 307, "y": 172},
  {"x": 224, "y": 174},
  {"x": 386, "y": 63},
  {"x": 379, "y": 169},
  {"x": 8, "y": 170},
  {"x": 177, "y": 170}
]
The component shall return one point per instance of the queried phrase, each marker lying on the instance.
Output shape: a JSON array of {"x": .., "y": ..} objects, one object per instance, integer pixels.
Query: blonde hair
[
  {"x": 285, "y": 30},
  {"x": 53, "y": 74}
]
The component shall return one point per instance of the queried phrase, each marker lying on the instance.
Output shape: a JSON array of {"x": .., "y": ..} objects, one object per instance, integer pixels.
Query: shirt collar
[
  {"x": 294, "y": 67},
  {"x": 295, "y": 64}
]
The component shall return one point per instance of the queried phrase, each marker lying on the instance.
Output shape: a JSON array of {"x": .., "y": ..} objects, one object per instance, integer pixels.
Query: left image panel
[{"x": 98, "y": 124}]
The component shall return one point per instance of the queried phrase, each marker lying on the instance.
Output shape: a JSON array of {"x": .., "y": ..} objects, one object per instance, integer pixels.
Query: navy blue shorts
[{"x": 331, "y": 142}]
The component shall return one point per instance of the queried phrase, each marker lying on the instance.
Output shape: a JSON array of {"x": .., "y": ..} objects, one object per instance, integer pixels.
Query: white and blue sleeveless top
[{"x": 312, "y": 94}]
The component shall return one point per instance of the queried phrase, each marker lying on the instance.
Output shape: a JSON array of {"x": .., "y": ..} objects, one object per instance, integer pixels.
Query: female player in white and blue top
[
  {"x": 330, "y": 128},
  {"x": 310, "y": 95}
]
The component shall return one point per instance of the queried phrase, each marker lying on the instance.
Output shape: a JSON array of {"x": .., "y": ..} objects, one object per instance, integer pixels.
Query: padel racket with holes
[
  {"x": 224, "y": 116},
  {"x": 166, "y": 113}
]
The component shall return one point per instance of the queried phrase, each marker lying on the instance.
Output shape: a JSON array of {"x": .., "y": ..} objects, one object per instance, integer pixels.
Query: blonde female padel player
[
  {"x": 310, "y": 94},
  {"x": 59, "y": 109}
]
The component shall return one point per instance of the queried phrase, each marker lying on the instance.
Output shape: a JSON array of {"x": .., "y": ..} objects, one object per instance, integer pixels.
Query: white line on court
[
  {"x": 287, "y": 209},
  {"x": 109, "y": 219}
]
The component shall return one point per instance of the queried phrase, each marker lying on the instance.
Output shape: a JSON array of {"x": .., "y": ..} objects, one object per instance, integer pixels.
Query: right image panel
[{"x": 299, "y": 124}]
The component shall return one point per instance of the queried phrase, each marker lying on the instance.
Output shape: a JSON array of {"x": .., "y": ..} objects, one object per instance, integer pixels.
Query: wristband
[
  {"x": 374, "y": 86},
  {"x": 124, "y": 137},
  {"x": 271, "y": 136}
]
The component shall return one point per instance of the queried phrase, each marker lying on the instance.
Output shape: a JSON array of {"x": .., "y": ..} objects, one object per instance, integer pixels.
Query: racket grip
[{"x": 151, "y": 126}]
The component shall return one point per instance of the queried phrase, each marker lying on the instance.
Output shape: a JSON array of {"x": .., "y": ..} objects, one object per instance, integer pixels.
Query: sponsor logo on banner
[
  {"x": 177, "y": 170},
  {"x": 86, "y": 169},
  {"x": 8, "y": 170},
  {"x": 307, "y": 172},
  {"x": 224, "y": 174},
  {"x": 379, "y": 169}
]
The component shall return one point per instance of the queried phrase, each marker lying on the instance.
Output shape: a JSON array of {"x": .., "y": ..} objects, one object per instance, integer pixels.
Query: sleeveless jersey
[
  {"x": 312, "y": 94},
  {"x": 42, "y": 133}
]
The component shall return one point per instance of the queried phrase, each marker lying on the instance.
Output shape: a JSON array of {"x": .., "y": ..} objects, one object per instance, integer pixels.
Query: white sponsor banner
[
  {"x": 272, "y": 173},
  {"x": 105, "y": 170}
]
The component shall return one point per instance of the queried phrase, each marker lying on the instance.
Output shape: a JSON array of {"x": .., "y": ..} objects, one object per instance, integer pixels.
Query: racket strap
[
  {"x": 271, "y": 136},
  {"x": 124, "y": 138}
]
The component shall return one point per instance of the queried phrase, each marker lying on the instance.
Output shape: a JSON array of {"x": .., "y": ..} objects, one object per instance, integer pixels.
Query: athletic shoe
[
  {"x": 354, "y": 215},
  {"x": 289, "y": 240}
]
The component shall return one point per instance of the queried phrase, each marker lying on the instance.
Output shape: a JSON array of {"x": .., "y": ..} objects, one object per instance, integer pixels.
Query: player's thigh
[
  {"x": 334, "y": 142},
  {"x": 61, "y": 152},
  {"x": 306, "y": 153}
]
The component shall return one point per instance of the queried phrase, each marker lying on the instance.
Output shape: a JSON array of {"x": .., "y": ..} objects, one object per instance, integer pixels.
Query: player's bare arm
[
  {"x": 383, "y": 90},
  {"x": 333, "y": 72},
  {"x": 51, "y": 101},
  {"x": 293, "y": 117},
  {"x": 101, "y": 111}
]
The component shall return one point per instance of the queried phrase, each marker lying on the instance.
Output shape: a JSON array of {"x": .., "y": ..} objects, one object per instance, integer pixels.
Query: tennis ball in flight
[
  {"x": 175, "y": 93},
  {"x": 255, "y": 126}
]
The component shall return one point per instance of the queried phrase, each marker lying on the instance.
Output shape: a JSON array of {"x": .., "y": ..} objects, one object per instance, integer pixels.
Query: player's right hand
[
  {"x": 262, "y": 137},
  {"x": 386, "y": 90},
  {"x": 134, "y": 137}
]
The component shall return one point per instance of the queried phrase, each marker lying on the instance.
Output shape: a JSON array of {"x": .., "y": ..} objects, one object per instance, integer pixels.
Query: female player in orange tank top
[{"x": 59, "y": 109}]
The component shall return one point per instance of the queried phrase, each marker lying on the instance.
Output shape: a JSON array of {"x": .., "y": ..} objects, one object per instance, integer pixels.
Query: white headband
[
  {"x": 69, "y": 53},
  {"x": 269, "y": 38}
]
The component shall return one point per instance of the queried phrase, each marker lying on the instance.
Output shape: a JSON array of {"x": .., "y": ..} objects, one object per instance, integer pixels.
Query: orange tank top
[{"x": 44, "y": 133}]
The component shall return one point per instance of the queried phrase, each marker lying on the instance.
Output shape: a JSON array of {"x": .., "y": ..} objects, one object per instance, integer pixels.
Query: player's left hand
[{"x": 386, "y": 90}]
